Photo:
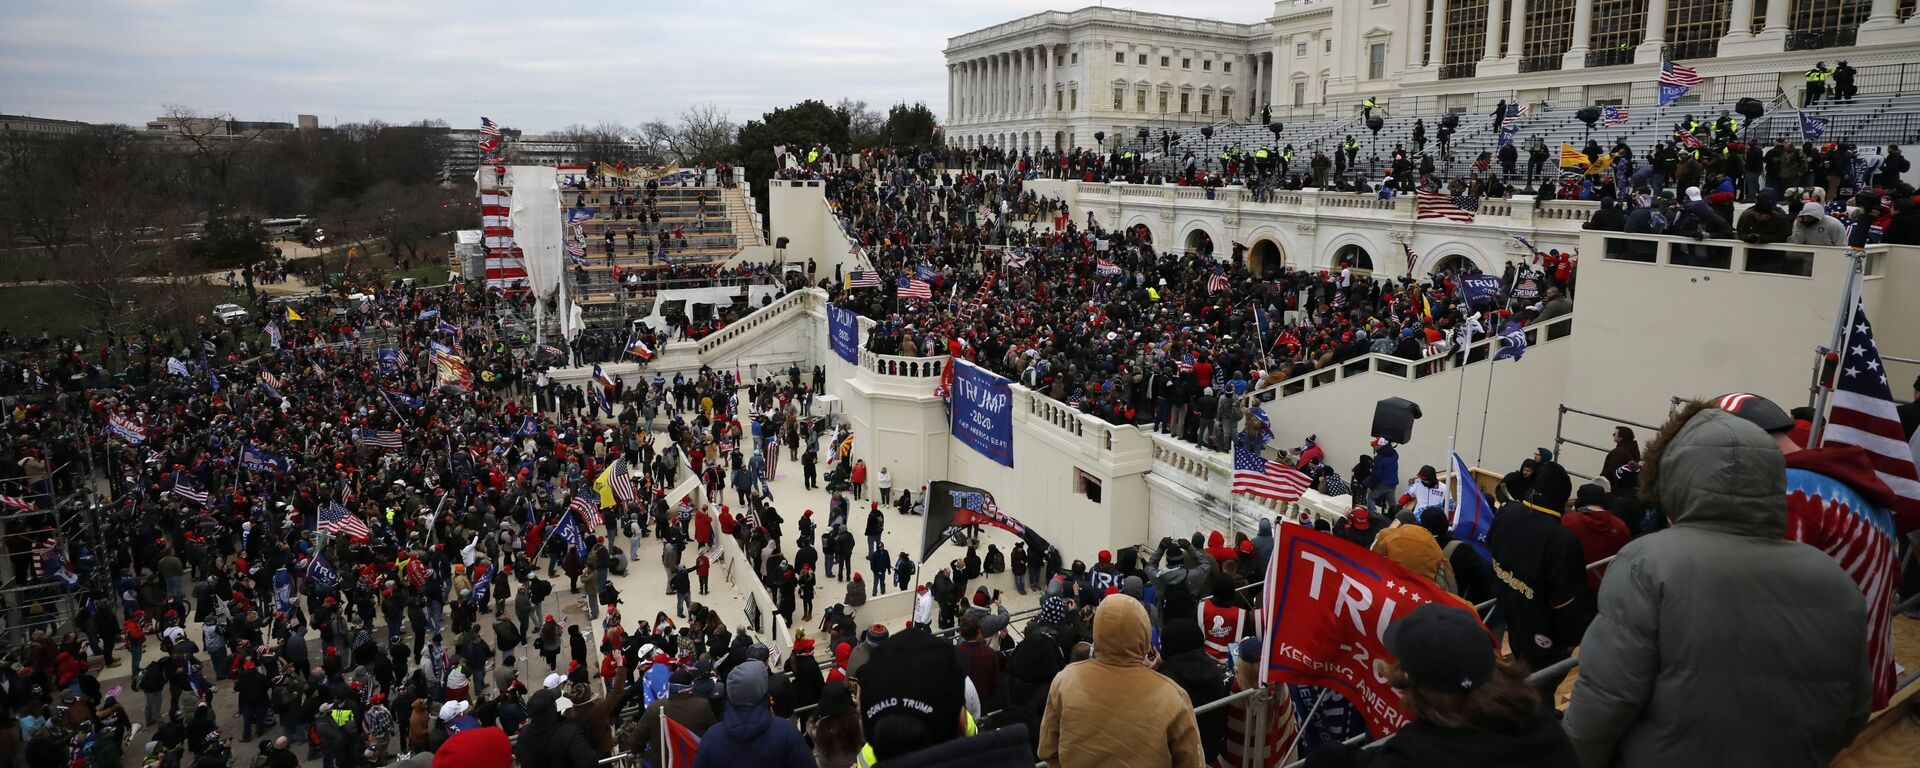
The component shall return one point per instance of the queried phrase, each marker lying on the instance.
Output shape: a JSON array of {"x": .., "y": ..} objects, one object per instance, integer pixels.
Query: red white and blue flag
[
  {"x": 1217, "y": 281},
  {"x": 1432, "y": 204},
  {"x": 910, "y": 288},
  {"x": 1864, "y": 415},
  {"x": 489, "y": 127},
  {"x": 860, "y": 278},
  {"x": 677, "y": 743},
  {"x": 1614, "y": 114},
  {"x": 335, "y": 519},
  {"x": 1252, "y": 473}
]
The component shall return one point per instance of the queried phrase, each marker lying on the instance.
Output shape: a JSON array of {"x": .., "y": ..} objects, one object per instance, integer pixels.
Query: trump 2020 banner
[
  {"x": 1480, "y": 290},
  {"x": 983, "y": 411},
  {"x": 843, "y": 328},
  {"x": 1330, "y": 602}
]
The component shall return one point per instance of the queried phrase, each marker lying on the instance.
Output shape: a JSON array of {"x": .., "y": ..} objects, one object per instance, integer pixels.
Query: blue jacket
[
  {"x": 1386, "y": 469},
  {"x": 750, "y": 735}
]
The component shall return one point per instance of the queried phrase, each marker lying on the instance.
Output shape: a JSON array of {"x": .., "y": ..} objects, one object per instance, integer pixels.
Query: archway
[
  {"x": 1199, "y": 242},
  {"x": 1353, "y": 255},
  {"x": 1142, "y": 233},
  {"x": 1060, "y": 140},
  {"x": 1264, "y": 259},
  {"x": 1455, "y": 264}
]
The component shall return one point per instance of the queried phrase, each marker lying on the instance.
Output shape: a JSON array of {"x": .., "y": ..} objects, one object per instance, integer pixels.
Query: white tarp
[{"x": 535, "y": 216}]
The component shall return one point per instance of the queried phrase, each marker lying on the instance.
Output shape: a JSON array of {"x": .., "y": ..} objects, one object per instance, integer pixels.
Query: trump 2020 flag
[
  {"x": 1472, "y": 515},
  {"x": 325, "y": 577},
  {"x": 1812, "y": 127},
  {"x": 1513, "y": 342},
  {"x": 1329, "y": 603}
]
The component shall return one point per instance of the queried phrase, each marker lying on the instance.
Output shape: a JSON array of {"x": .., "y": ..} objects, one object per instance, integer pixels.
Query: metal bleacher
[{"x": 1877, "y": 119}]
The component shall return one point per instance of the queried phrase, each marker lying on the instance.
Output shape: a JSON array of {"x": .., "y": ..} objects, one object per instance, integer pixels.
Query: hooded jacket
[
  {"x": 1718, "y": 642},
  {"x": 549, "y": 738},
  {"x": 1262, "y": 549},
  {"x": 749, "y": 734},
  {"x": 1117, "y": 686},
  {"x": 1825, "y": 230}
]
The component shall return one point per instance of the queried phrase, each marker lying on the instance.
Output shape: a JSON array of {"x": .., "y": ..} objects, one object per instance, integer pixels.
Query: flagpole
[
  {"x": 1480, "y": 452},
  {"x": 1842, "y": 331}
]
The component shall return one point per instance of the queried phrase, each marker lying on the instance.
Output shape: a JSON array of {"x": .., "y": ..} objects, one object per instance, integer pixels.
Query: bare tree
[
  {"x": 216, "y": 141},
  {"x": 863, "y": 122},
  {"x": 706, "y": 134},
  {"x": 122, "y": 205},
  {"x": 608, "y": 142}
]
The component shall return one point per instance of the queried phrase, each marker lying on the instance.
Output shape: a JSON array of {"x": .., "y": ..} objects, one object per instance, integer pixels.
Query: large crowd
[{"x": 1103, "y": 321}]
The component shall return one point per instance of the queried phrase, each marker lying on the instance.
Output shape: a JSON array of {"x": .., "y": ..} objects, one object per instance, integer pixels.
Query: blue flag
[
  {"x": 1262, "y": 321},
  {"x": 1513, "y": 342},
  {"x": 1480, "y": 290},
  {"x": 1812, "y": 127},
  {"x": 480, "y": 587},
  {"x": 403, "y": 399},
  {"x": 578, "y": 215},
  {"x": 1670, "y": 93},
  {"x": 325, "y": 577},
  {"x": 389, "y": 358},
  {"x": 1472, "y": 515},
  {"x": 528, "y": 427},
  {"x": 283, "y": 589},
  {"x": 255, "y": 459},
  {"x": 569, "y": 532}
]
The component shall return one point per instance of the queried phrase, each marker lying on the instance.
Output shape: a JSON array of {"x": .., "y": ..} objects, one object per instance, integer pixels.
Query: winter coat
[
  {"x": 1386, "y": 469},
  {"x": 1667, "y": 671},
  {"x": 550, "y": 739},
  {"x": 1826, "y": 230},
  {"x": 1538, "y": 744},
  {"x": 751, "y": 735},
  {"x": 1540, "y": 581},
  {"x": 1601, "y": 536},
  {"x": 1838, "y": 505},
  {"x": 1117, "y": 686},
  {"x": 683, "y": 708}
]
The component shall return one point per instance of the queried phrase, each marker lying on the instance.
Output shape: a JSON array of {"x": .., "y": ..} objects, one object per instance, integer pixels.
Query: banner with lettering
[
  {"x": 1480, "y": 291},
  {"x": 843, "y": 328},
  {"x": 1331, "y": 603},
  {"x": 983, "y": 411}
]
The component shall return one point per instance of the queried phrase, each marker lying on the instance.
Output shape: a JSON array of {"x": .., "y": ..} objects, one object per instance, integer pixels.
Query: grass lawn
[
  {"x": 25, "y": 265},
  {"x": 26, "y": 310}
]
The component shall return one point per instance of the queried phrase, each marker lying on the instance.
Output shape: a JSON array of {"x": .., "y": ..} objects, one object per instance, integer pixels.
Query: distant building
[
  {"x": 215, "y": 126},
  {"x": 308, "y": 122},
  {"x": 24, "y": 127}
]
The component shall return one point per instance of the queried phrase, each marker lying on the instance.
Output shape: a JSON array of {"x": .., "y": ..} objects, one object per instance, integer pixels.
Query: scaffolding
[{"x": 58, "y": 507}]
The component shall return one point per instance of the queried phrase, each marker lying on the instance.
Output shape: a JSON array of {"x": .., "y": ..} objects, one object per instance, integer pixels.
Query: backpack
[{"x": 1443, "y": 576}]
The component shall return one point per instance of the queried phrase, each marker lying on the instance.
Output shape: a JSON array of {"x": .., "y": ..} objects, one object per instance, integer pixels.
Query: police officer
[
  {"x": 1816, "y": 83},
  {"x": 1843, "y": 87}
]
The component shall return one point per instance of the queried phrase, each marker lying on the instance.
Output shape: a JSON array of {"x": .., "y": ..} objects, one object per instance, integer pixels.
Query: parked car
[{"x": 229, "y": 313}]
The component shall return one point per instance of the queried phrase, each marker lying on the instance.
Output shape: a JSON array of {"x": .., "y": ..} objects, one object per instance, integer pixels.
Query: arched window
[
  {"x": 1265, "y": 260},
  {"x": 1353, "y": 255},
  {"x": 1199, "y": 242}
]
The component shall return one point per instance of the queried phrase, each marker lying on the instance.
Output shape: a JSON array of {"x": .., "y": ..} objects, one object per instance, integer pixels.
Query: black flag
[{"x": 951, "y": 506}]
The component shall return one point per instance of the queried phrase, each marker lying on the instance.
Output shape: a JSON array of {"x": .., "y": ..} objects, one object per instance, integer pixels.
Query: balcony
[
  {"x": 1542, "y": 63},
  {"x": 1698, "y": 49},
  {"x": 1458, "y": 71},
  {"x": 1610, "y": 57},
  {"x": 1825, "y": 38}
]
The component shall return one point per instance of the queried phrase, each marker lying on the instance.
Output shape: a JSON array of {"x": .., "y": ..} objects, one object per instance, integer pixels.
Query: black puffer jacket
[
  {"x": 1204, "y": 679},
  {"x": 550, "y": 739}
]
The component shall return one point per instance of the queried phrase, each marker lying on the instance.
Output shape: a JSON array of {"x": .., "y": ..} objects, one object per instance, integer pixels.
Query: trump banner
[
  {"x": 1480, "y": 291},
  {"x": 983, "y": 411},
  {"x": 843, "y": 329},
  {"x": 952, "y": 506},
  {"x": 1331, "y": 603}
]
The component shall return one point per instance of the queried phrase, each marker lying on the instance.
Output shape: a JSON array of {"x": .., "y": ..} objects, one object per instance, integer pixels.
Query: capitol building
[{"x": 1055, "y": 78}]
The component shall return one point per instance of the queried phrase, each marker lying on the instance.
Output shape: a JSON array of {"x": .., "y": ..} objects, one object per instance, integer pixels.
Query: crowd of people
[{"x": 1103, "y": 321}]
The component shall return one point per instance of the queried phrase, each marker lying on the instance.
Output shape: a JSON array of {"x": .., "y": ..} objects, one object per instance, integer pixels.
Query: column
[
  {"x": 1517, "y": 31},
  {"x": 1437, "y": 35},
  {"x": 953, "y": 97},
  {"x": 995, "y": 66},
  {"x": 1576, "y": 56},
  {"x": 1047, "y": 75},
  {"x": 1020, "y": 73},
  {"x": 1494, "y": 10},
  {"x": 1881, "y": 25},
  {"x": 1655, "y": 37},
  {"x": 1740, "y": 26}
]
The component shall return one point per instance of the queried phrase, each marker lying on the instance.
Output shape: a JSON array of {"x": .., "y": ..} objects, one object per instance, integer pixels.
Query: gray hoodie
[
  {"x": 1825, "y": 230},
  {"x": 1718, "y": 642}
]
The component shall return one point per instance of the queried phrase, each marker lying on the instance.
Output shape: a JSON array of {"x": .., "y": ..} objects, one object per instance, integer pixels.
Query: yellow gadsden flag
[
  {"x": 292, "y": 316},
  {"x": 604, "y": 485}
]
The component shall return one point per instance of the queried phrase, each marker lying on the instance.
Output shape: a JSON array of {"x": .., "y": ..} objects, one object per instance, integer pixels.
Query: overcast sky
[{"x": 533, "y": 65}]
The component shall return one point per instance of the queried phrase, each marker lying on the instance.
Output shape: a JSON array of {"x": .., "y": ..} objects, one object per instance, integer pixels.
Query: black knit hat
[{"x": 1551, "y": 487}]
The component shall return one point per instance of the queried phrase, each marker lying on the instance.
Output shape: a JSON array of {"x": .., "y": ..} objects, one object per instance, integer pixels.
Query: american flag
[
  {"x": 622, "y": 482},
  {"x": 17, "y": 503},
  {"x": 576, "y": 248},
  {"x": 380, "y": 438},
  {"x": 1185, "y": 363},
  {"x": 1512, "y": 120},
  {"x": 1074, "y": 400},
  {"x": 1440, "y": 205},
  {"x": 587, "y": 505},
  {"x": 1614, "y": 115},
  {"x": 914, "y": 289},
  {"x": 1678, "y": 74},
  {"x": 863, "y": 279},
  {"x": 1863, "y": 415},
  {"x": 1253, "y": 474},
  {"x": 185, "y": 491},
  {"x": 336, "y": 519},
  {"x": 1217, "y": 281},
  {"x": 489, "y": 127}
]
